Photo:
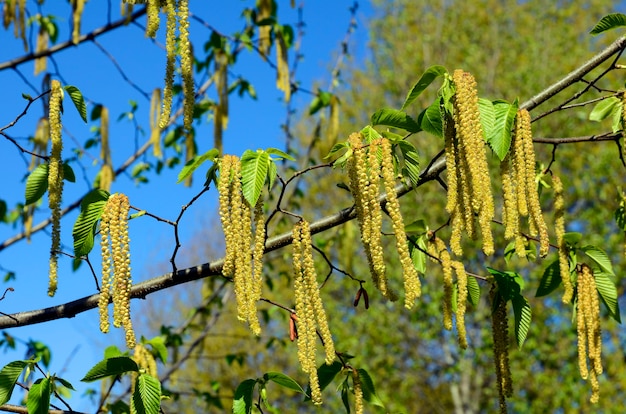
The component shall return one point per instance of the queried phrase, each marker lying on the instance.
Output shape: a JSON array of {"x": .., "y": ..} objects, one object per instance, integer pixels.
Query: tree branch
[{"x": 61, "y": 46}]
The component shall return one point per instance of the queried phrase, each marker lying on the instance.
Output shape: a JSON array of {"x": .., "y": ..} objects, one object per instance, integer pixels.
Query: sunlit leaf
[
  {"x": 430, "y": 119},
  {"x": 608, "y": 22},
  {"x": 8, "y": 377},
  {"x": 523, "y": 316},
  {"x": 394, "y": 118},
  {"x": 196, "y": 162},
  {"x": 473, "y": 290},
  {"x": 79, "y": 101},
  {"x": 608, "y": 293},
  {"x": 254, "y": 169},
  {"x": 605, "y": 109},
  {"x": 369, "y": 391},
  {"x": 85, "y": 226},
  {"x": 499, "y": 137},
  {"x": 36, "y": 184},
  {"x": 38, "y": 401},
  {"x": 284, "y": 381},
  {"x": 146, "y": 398},
  {"x": 424, "y": 82},
  {"x": 111, "y": 367},
  {"x": 242, "y": 402},
  {"x": 600, "y": 257}
]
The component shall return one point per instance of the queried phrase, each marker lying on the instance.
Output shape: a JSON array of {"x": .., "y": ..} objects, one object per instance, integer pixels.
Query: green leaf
[
  {"x": 473, "y": 290},
  {"x": 523, "y": 316},
  {"x": 284, "y": 381},
  {"x": 600, "y": 257},
  {"x": 36, "y": 184},
  {"x": 158, "y": 345},
  {"x": 63, "y": 382},
  {"x": 572, "y": 238},
  {"x": 487, "y": 116},
  {"x": 394, "y": 118},
  {"x": 605, "y": 109},
  {"x": 320, "y": 101},
  {"x": 254, "y": 169},
  {"x": 620, "y": 217},
  {"x": 369, "y": 392},
  {"x": 68, "y": 173},
  {"x": 411, "y": 161},
  {"x": 370, "y": 134},
  {"x": 424, "y": 82},
  {"x": 499, "y": 137},
  {"x": 195, "y": 162},
  {"x": 79, "y": 101},
  {"x": 326, "y": 373},
  {"x": 8, "y": 377},
  {"x": 430, "y": 119},
  {"x": 550, "y": 280},
  {"x": 280, "y": 154},
  {"x": 38, "y": 401},
  {"x": 112, "y": 351},
  {"x": 242, "y": 402},
  {"x": 608, "y": 294},
  {"x": 344, "y": 395},
  {"x": 146, "y": 398},
  {"x": 111, "y": 367},
  {"x": 608, "y": 22},
  {"x": 85, "y": 226}
]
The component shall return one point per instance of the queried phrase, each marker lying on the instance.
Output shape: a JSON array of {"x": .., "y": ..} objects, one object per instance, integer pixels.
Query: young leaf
[
  {"x": 424, "y": 81},
  {"x": 369, "y": 392},
  {"x": 473, "y": 290},
  {"x": 284, "y": 381},
  {"x": 394, "y": 118},
  {"x": 36, "y": 184},
  {"x": 195, "y": 162},
  {"x": 430, "y": 119},
  {"x": 63, "y": 382},
  {"x": 344, "y": 395},
  {"x": 254, "y": 169},
  {"x": 604, "y": 109},
  {"x": 608, "y": 294},
  {"x": 608, "y": 22},
  {"x": 38, "y": 401},
  {"x": 8, "y": 377},
  {"x": 370, "y": 134},
  {"x": 320, "y": 101},
  {"x": 487, "y": 116},
  {"x": 79, "y": 101},
  {"x": 280, "y": 154},
  {"x": 523, "y": 316},
  {"x": 550, "y": 280},
  {"x": 242, "y": 402},
  {"x": 326, "y": 375},
  {"x": 411, "y": 161},
  {"x": 500, "y": 136},
  {"x": 68, "y": 173},
  {"x": 600, "y": 257},
  {"x": 111, "y": 367},
  {"x": 85, "y": 226},
  {"x": 147, "y": 396},
  {"x": 158, "y": 345}
]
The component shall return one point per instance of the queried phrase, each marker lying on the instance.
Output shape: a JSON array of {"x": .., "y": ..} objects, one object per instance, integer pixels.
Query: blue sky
[{"x": 77, "y": 343}]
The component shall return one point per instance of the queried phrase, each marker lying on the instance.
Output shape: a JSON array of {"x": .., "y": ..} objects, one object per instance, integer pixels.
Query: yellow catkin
[
  {"x": 412, "y": 285},
  {"x": 471, "y": 143},
  {"x": 510, "y": 216},
  {"x": 116, "y": 271},
  {"x": 42, "y": 45},
  {"x": 559, "y": 228},
  {"x": 257, "y": 259},
  {"x": 454, "y": 203},
  {"x": 581, "y": 330},
  {"x": 20, "y": 22},
  {"x": 309, "y": 308},
  {"x": 152, "y": 9},
  {"x": 519, "y": 164},
  {"x": 534, "y": 207},
  {"x": 145, "y": 360},
  {"x": 186, "y": 64},
  {"x": 77, "y": 12},
  {"x": 225, "y": 184},
  {"x": 461, "y": 302},
  {"x": 283, "y": 82},
  {"x": 170, "y": 47},
  {"x": 55, "y": 181},
  {"x": 437, "y": 249},
  {"x": 500, "y": 330},
  {"x": 243, "y": 267},
  {"x": 155, "y": 116},
  {"x": 358, "y": 392},
  {"x": 264, "y": 11}
]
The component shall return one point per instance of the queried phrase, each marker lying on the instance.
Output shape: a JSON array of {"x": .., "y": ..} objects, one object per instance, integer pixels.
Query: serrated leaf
[
  {"x": 38, "y": 401},
  {"x": 369, "y": 392},
  {"x": 604, "y": 109},
  {"x": 430, "y": 119},
  {"x": 424, "y": 82},
  {"x": 158, "y": 345},
  {"x": 417, "y": 256},
  {"x": 473, "y": 290},
  {"x": 600, "y": 257},
  {"x": 284, "y": 381},
  {"x": 523, "y": 316},
  {"x": 65, "y": 383},
  {"x": 196, "y": 162},
  {"x": 146, "y": 398},
  {"x": 84, "y": 230},
  {"x": 550, "y": 280},
  {"x": 487, "y": 116},
  {"x": 394, "y": 118},
  {"x": 8, "y": 377},
  {"x": 370, "y": 134},
  {"x": 608, "y": 22},
  {"x": 36, "y": 184},
  {"x": 242, "y": 402},
  {"x": 111, "y": 367},
  {"x": 499, "y": 137},
  {"x": 112, "y": 351},
  {"x": 280, "y": 154},
  {"x": 411, "y": 161},
  {"x": 608, "y": 294},
  {"x": 79, "y": 101},
  {"x": 254, "y": 169},
  {"x": 336, "y": 148}
]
